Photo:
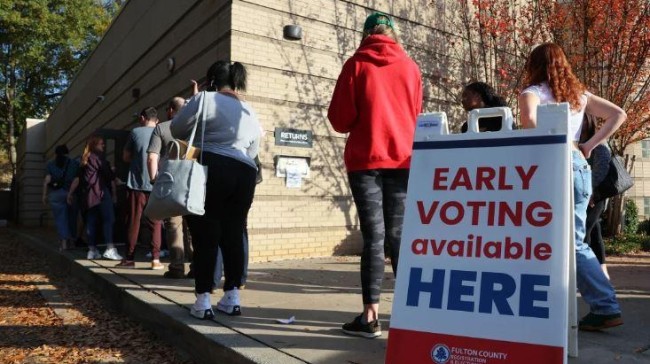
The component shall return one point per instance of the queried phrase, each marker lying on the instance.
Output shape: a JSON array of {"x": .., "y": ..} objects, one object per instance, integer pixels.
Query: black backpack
[{"x": 58, "y": 183}]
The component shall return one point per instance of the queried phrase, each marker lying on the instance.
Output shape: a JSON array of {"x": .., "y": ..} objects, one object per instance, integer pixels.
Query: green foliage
[
  {"x": 5, "y": 170},
  {"x": 627, "y": 244},
  {"x": 631, "y": 217},
  {"x": 644, "y": 227},
  {"x": 42, "y": 45},
  {"x": 645, "y": 245}
]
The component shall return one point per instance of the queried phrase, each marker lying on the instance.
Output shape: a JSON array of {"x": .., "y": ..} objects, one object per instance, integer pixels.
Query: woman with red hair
[{"x": 550, "y": 79}]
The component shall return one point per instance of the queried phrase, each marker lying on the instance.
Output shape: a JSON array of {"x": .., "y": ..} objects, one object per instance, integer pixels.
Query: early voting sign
[{"x": 484, "y": 259}]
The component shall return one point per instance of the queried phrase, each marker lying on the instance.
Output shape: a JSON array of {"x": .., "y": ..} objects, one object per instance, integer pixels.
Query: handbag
[
  {"x": 258, "y": 177},
  {"x": 617, "y": 180},
  {"x": 179, "y": 188},
  {"x": 181, "y": 148}
]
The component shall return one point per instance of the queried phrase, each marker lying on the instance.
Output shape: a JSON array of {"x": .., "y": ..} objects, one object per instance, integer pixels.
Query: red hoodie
[{"x": 377, "y": 99}]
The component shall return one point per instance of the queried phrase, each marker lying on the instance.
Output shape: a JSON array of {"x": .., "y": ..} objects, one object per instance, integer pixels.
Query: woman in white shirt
[{"x": 549, "y": 79}]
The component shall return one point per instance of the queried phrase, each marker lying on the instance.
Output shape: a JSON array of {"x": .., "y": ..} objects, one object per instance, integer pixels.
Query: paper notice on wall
[{"x": 294, "y": 176}]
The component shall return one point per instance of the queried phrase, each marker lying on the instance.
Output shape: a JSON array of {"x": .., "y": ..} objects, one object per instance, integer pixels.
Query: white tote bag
[{"x": 179, "y": 188}]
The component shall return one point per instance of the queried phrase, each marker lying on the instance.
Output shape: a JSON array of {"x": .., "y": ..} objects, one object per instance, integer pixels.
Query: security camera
[{"x": 100, "y": 98}]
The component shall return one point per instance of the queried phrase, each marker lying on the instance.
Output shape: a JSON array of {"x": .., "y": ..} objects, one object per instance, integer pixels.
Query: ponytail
[
  {"x": 237, "y": 77},
  {"x": 223, "y": 73},
  {"x": 218, "y": 75}
]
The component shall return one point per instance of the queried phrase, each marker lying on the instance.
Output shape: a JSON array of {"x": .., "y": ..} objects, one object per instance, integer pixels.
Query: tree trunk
[
  {"x": 11, "y": 140},
  {"x": 614, "y": 215}
]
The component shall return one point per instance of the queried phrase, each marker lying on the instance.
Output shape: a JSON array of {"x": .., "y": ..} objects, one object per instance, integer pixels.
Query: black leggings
[
  {"x": 229, "y": 195},
  {"x": 379, "y": 196},
  {"x": 593, "y": 232}
]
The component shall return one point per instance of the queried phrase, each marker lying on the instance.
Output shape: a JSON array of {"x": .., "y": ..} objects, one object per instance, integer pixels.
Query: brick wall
[{"x": 290, "y": 85}]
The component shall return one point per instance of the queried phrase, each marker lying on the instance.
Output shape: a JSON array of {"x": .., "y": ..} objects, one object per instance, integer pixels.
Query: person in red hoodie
[{"x": 376, "y": 100}]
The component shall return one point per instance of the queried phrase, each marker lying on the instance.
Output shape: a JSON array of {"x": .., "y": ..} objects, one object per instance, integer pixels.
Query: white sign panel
[{"x": 484, "y": 259}]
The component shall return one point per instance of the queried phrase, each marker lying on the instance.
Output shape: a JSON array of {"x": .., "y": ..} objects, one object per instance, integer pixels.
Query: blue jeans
[
  {"x": 592, "y": 283},
  {"x": 105, "y": 209},
  {"x": 60, "y": 210},
  {"x": 73, "y": 216}
]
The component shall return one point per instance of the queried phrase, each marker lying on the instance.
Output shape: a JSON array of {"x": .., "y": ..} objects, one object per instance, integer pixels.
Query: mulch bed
[{"x": 32, "y": 333}]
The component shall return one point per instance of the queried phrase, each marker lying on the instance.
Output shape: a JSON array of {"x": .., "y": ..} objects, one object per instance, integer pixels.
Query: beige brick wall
[
  {"x": 641, "y": 175},
  {"x": 290, "y": 85}
]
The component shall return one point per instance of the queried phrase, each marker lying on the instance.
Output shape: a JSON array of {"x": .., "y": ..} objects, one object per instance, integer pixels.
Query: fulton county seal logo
[{"x": 440, "y": 354}]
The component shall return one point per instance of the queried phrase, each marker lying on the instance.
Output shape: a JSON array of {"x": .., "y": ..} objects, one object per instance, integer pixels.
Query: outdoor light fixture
[
  {"x": 171, "y": 63},
  {"x": 292, "y": 32}
]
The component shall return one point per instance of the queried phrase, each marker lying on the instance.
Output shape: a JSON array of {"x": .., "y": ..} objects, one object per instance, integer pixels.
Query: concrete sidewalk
[{"x": 321, "y": 294}]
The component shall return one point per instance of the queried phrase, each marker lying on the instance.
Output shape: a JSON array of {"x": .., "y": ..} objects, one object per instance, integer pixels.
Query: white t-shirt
[{"x": 543, "y": 91}]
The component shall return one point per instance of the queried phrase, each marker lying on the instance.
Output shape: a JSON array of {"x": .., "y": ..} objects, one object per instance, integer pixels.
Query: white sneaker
[
  {"x": 112, "y": 254},
  {"x": 207, "y": 314},
  {"x": 93, "y": 254},
  {"x": 229, "y": 303},
  {"x": 202, "y": 309}
]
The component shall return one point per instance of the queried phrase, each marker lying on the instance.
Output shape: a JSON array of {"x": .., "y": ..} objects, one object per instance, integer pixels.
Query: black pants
[
  {"x": 379, "y": 196},
  {"x": 229, "y": 195},
  {"x": 593, "y": 233}
]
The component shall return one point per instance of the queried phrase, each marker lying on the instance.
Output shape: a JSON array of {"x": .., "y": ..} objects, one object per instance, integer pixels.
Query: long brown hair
[
  {"x": 91, "y": 146},
  {"x": 548, "y": 63}
]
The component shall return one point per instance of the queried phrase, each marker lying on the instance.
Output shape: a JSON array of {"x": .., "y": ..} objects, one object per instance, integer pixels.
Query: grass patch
[{"x": 627, "y": 244}]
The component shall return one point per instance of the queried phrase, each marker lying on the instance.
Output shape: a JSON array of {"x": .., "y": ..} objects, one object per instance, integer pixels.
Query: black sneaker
[
  {"x": 174, "y": 274},
  {"x": 370, "y": 330},
  {"x": 595, "y": 322}
]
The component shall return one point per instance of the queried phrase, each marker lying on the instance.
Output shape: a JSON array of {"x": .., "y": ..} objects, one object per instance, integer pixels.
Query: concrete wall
[
  {"x": 290, "y": 85},
  {"x": 133, "y": 55},
  {"x": 31, "y": 173}
]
